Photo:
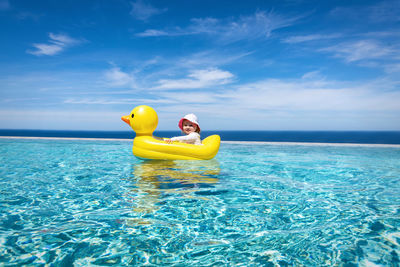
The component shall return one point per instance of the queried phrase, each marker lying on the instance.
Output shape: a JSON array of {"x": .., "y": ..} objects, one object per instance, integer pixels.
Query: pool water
[{"x": 85, "y": 202}]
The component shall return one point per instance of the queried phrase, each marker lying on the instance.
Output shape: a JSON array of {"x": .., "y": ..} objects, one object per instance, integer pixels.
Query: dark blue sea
[{"x": 357, "y": 137}]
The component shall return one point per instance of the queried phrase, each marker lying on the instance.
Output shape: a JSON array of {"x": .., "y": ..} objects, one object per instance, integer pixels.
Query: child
[{"x": 189, "y": 126}]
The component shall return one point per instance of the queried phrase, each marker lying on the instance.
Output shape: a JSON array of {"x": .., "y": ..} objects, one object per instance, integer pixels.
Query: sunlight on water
[{"x": 93, "y": 203}]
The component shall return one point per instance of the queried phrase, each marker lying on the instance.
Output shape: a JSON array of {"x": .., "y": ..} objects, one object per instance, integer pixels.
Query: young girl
[{"x": 189, "y": 126}]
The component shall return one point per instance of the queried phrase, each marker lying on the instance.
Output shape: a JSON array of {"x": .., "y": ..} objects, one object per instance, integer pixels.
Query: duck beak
[{"x": 126, "y": 119}]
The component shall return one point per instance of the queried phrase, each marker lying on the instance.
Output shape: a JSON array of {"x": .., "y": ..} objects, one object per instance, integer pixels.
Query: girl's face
[{"x": 188, "y": 127}]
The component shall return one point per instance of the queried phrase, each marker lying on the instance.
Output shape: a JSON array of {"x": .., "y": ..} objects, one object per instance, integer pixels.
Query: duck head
[{"x": 143, "y": 120}]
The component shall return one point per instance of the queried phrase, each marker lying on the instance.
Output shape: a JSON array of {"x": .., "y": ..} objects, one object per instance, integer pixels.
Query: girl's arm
[{"x": 190, "y": 137}]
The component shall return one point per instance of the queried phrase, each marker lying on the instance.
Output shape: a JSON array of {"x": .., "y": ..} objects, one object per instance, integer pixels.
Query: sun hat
[{"x": 190, "y": 117}]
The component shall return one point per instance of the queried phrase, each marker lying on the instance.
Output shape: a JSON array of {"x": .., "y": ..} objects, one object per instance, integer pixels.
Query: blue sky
[{"x": 238, "y": 65}]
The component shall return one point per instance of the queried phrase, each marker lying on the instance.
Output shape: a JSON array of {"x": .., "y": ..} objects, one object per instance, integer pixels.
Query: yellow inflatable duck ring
[{"x": 143, "y": 120}]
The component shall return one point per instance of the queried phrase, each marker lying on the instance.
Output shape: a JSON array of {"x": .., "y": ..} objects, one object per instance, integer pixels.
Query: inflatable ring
[{"x": 143, "y": 120}]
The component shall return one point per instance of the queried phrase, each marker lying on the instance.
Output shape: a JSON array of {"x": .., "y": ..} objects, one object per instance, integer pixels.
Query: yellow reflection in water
[{"x": 154, "y": 178}]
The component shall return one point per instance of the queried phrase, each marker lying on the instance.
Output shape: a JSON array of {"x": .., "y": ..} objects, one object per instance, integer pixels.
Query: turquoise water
[{"x": 84, "y": 202}]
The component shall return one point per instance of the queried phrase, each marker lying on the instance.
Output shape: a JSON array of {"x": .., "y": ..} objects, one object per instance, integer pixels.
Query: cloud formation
[
  {"x": 309, "y": 37},
  {"x": 117, "y": 78},
  {"x": 153, "y": 33},
  {"x": 56, "y": 44},
  {"x": 143, "y": 11},
  {"x": 316, "y": 94},
  {"x": 310, "y": 102},
  {"x": 259, "y": 25},
  {"x": 361, "y": 50},
  {"x": 198, "y": 79}
]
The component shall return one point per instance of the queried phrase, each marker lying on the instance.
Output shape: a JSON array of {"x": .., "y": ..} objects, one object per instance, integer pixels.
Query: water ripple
[{"x": 92, "y": 203}]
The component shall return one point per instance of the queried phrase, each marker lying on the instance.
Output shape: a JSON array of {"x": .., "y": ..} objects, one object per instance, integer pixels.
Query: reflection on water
[{"x": 156, "y": 179}]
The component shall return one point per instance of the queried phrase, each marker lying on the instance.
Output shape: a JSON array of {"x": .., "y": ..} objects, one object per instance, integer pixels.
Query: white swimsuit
[{"x": 192, "y": 138}]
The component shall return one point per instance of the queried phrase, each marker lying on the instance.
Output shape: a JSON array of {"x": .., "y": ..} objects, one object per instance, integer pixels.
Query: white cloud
[
  {"x": 196, "y": 98},
  {"x": 62, "y": 39},
  {"x": 93, "y": 119},
  {"x": 212, "y": 58},
  {"x": 96, "y": 101},
  {"x": 117, "y": 78},
  {"x": 115, "y": 101},
  {"x": 310, "y": 37},
  {"x": 360, "y": 50},
  {"x": 382, "y": 34},
  {"x": 258, "y": 25},
  {"x": 205, "y": 25},
  {"x": 212, "y": 75},
  {"x": 56, "y": 44},
  {"x": 392, "y": 68},
  {"x": 143, "y": 11},
  {"x": 312, "y": 75},
  {"x": 46, "y": 49},
  {"x": 299, "y": 104},
  {"x": 118, "y": 101},
  {"x": 307, "y": 103},
  {"x": 153, "y": 33},
  {"x": 311, "y": 102},
  {"x": 198, "y": 79},
  {"x": 318, "y": 95}
]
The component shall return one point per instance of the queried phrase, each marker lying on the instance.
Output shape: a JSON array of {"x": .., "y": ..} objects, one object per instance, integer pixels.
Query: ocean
[{"x": 355, "y": 137}]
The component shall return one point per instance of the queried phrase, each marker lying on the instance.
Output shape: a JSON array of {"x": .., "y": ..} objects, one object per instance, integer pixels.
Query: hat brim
[{"x": 180, "y": 124}]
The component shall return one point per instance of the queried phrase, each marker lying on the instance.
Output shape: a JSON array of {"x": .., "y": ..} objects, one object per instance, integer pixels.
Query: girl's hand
[{"x": 169, "y": 141}]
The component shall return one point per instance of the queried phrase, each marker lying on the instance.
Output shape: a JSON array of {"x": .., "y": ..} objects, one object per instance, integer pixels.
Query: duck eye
[{"x": 133, "y": 115}]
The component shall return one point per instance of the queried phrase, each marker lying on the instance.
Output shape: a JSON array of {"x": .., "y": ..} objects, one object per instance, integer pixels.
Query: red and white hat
[{"x": 189, "y": 117}]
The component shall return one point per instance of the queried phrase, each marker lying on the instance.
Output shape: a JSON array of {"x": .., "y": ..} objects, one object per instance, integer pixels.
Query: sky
[{"x": 238, "y": 65}]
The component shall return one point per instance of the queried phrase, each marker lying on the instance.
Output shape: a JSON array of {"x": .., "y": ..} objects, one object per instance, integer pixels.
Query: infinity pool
[{"x": 86, "y": 202}]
